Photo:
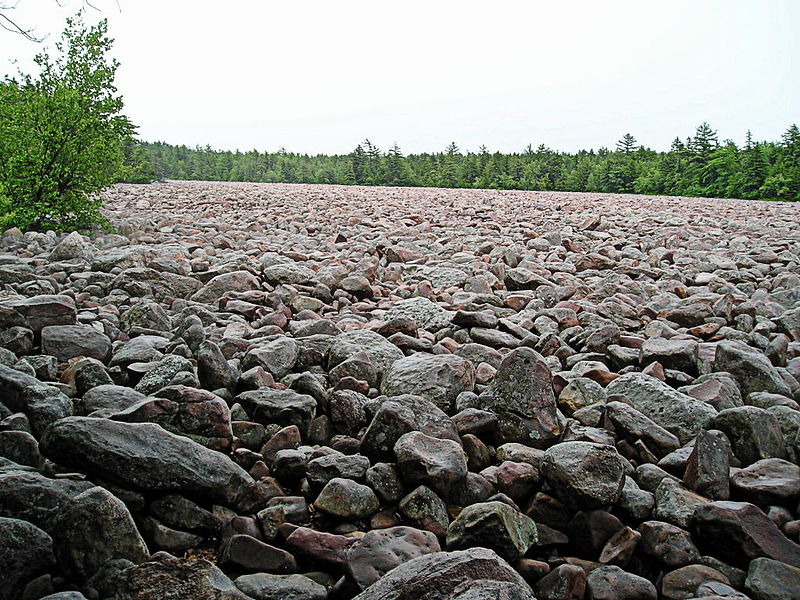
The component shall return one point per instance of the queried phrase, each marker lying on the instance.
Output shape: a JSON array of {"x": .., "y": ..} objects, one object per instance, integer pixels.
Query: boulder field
[{"x": 298, "y": 392}]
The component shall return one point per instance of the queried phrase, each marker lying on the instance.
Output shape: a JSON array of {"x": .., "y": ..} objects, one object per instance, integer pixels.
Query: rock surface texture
[{"x": 269, "y": 391}]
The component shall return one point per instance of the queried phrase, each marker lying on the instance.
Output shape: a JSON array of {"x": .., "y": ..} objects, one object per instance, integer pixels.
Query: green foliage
[
  {"x": 62, "y": 134},
  {"x": 698, "y": 167}
]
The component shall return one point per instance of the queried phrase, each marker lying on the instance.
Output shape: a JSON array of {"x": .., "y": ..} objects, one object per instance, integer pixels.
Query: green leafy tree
[{"x": 62, "y": 134}]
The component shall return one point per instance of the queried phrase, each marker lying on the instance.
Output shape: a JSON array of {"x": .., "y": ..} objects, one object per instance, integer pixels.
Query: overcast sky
[{"x": 320, "y": 76}]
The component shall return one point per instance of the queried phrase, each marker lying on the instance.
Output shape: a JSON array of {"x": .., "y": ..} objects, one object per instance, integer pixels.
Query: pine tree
[
  {"x": 627, "y": 144},
  {"x": 752, "y": 169}
]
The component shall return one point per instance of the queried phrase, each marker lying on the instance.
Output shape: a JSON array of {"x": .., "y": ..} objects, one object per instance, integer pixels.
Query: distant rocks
[{"x": 291, "y": 392}]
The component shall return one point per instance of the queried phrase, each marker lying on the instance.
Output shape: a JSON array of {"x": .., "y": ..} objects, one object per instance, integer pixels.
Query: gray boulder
[
  {"x": 25, "y": 551},
  {"x": 400, "y": 415},
  {"x": 438, "y": 378},
  {"x": 521, "y": 395},
  {"x": 440, "y": 575},
  {"x": 70, "y": 341},
  {"x": 493, "y": 525},
  {"x": 176, "y": 578},
  {"x": 94, "y": 528},
  {"x": 584, "y": 475},
  {"x": 43, "y": 404},
  {"x": 750, "y": 368},
  {"x": 146, "y": 457},
  {"x": 678, "y": 413}
]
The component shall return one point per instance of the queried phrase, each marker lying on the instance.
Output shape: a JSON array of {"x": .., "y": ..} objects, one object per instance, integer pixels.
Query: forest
[{"x": 700, "y": 165}]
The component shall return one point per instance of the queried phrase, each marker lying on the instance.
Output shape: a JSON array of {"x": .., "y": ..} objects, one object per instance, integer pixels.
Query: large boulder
[
  {"x": 175, "y": 578},
  {"x": 521, "y": 395},
  {"x": 424, "y": 459},
  {"x": 70, "y": 341},
  {"x": 197, "y": 414},
  {"x": 426, "y": 314},
  {"x": 25, "y": 552},
  {"x": 276, "y": 357},
  {"x": 145, "y": 456},
  {"x": 750, "y": 368},
  {"x": 380, "y": 351},
  {"x": 31, "y": 496},
  {"x": 263, "y": 586},
  {"x": 236, "y": 281},
  {"x": 753, "y": 432},
  {"x": 438, "y": 378},
  {"x": 493, "y": 525},
  {"x": 584, "y": 475},
  {"x": 282, "y": 407},
  {"x": 347, "y": 499},
  {"x": 440, "y": 575},
  {"x": 94, "y": 528},
  {"x": 163, "y": 372},
  {"x": 676, "y": 412},
  {"x": 42, "y": 403},
  {"x": 400, "y": 415},
  {"x": 738, "y": 532},
  {"x": 41, "y": 311},
  {"x": 381, "y": 550}
]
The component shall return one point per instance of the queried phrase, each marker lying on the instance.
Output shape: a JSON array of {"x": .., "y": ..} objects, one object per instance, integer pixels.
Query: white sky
[{"x": 320, "y": 76}]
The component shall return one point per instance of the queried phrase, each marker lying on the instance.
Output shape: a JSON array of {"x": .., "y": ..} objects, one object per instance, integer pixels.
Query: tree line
[{"x": 700, "y": 165}]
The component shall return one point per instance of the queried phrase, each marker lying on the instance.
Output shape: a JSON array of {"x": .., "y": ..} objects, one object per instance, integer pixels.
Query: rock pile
[{"x": 310, "y": 392}]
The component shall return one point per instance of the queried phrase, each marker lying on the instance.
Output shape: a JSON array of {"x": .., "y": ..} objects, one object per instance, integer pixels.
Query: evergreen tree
[{"x": 627, "y": 144}]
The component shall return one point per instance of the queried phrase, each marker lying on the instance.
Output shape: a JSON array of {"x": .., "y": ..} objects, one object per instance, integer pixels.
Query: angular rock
[
  {"x": 162, "y": 374},
  {"x": 678, "y": 413},
  {"x": 521, "y": 395},
  {"x": 768, "y": 481},
  {"x": 750, "y": 368},
  {"x": 638, "y": 426},
  {"x": 753, "y": 432},
  {"x": 236, "y": 281},
  {"x": 380, "y": 351},
  {"x": 426, "y": 314},
  {"x": 346, "y": 499},
  {"x": 30, "y": 496},
  {"x": 277, "y": 357},
  {"x": 738, "y": 532},
  {"x": 708, "y": 467},
  {"x": 325, "y": 549},
  {"x": 261, "y": 586},
  {"x": 437, "y": 463},
  {"x": 69, "y": 341},
  {"x": 668, "y": 543},
  {"x": 282, "y": 407},
  {"x": 493, "y": 525},
  {"x": 680, "y": 355},
  {"x": 400, "y": 415},
  {"x": 612, "y": 583},
  {"x": 245, "y": 553},
  {"x": 94, "y": 528},
  {"x": 769, "y": 579},
  {"x": 25, "y": 551},
  {"x": 43, "y": 404},
  {"x": 41, "y": 311},
  {"x": 425, "y": 510},
  {"x": 213, "y": 370},
  {"x": 197, "y": 579}
]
